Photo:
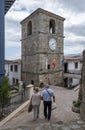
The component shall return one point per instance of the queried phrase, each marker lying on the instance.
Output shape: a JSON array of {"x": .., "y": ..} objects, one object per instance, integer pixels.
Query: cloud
[
  {"x": 73, "y": 5},
  {"x": 72, "y": 37},
  {"x": 12, "y": 52},
  {"x": 78, "y": 30},
  {"x": 12, "y": 34},
  {"x": 74, "y": 25},
  {"x": 73, "y": 49}
]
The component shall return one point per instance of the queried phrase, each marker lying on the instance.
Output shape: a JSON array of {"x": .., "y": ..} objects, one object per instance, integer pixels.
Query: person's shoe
[
  {"x": 34, "y": 119},
  {"x": 37, "y": 117},
  {"x": 45, "y": 117},
  {"x": 48, "y": 119}
]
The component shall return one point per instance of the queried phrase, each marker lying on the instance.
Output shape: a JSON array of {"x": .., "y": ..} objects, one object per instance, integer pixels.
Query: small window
[
  {"x": 71, "y": 80},
  {"x": 16, "y": 68},
  {"x": 48, "y": 66},
  {"x": 11, "y": 67},
  {"x": 32, "y": 81},
  {"x": 16, "y": 81},
  {"x": 52, "y": 26},
  {"x": 76, "y": 65},
  {"x": 13, "y": 80},
  {"x": 29, "y": 28}
]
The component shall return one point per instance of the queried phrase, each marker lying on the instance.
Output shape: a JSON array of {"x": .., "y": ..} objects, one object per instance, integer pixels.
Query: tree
[{"x": 4, "y": 93}]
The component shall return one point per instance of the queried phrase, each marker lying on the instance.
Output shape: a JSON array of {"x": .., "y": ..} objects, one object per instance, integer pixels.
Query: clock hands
[{"x": 52, "y": 44}]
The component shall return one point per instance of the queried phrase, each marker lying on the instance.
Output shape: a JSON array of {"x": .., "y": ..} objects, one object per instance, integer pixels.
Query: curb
[{"x": 14, "y": 113}]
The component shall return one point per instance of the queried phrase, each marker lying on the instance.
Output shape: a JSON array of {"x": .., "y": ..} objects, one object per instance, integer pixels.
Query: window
[
  {"x": 13, "y": 80},
  {"x": 52, "y": 26},
  {"x": 32, "y": 81},
  {"x": 16, "y": 68},
  {"x": 71, "y": 80},
  {"x": 48, "y": 66},
  {"x": 16, "y": 81},
  {"x": 29, "y": 28},
  {"x": 11, "y": 67},
  {"x": 76, "y": 65}
]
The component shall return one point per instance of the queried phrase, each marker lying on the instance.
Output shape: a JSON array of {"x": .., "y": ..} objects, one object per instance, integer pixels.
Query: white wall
[
  {"x": 71, "y": 69},
  {"x": 71, "y": 66},
  {"x": 75, "y": 82},
  {"x": 7, "y": 67},
  {"x": 12, "y": 74}
]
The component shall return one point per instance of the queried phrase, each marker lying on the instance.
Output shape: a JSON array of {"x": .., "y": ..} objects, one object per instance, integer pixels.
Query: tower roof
[
  {"x": 8, "y": 4},
  {"x": 39, "y": 10}
]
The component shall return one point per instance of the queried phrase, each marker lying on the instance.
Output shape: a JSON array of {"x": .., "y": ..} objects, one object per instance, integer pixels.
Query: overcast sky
[{"x": 74, "y": 25}]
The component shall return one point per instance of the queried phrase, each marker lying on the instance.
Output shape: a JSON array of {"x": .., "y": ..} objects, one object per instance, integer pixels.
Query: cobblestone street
[{"x": 62, "y": 117}]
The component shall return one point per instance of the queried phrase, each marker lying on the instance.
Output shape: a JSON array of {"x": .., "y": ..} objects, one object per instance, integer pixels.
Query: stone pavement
[
  {"x": 62, "y": 118},
  {"x": 48, "y": 125}
]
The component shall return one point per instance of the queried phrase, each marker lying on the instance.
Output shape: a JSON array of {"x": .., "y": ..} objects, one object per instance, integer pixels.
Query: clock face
[{"x": 52, "y": 44}]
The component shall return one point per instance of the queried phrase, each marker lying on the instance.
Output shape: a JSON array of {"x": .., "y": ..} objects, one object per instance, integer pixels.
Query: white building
[
  {"x": 72, "y": 71},
  {"x": 13, "y": 70}
]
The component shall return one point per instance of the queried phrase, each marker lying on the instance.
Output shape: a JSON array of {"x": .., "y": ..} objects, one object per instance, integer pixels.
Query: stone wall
[
  {"x": 82, "y": 109},
  {"x": 37, "y": 57}
]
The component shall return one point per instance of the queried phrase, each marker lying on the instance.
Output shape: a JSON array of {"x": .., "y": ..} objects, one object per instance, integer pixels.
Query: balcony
[{"x": 8, "y": 4}]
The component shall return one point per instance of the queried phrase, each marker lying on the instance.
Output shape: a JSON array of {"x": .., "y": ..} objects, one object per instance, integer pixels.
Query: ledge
[{"x": 14, "y": 113}]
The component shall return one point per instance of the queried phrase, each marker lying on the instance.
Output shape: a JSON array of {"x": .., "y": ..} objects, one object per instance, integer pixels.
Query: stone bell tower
[{"x": 42, "y": 48}]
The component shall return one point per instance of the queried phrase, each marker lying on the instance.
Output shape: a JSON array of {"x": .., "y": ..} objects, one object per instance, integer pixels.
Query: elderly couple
[{"x": 46, "y": 95}]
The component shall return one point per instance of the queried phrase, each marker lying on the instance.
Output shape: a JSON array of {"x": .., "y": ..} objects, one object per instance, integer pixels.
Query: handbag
[
  {"x": 30, "y": 107},
  {"x": 54, "y": 106}
]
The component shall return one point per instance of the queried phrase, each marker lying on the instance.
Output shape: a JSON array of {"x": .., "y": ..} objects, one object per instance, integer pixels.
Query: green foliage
[
  {"x": 4, "y": 92},
  {"x": 77, "y": 103}
]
